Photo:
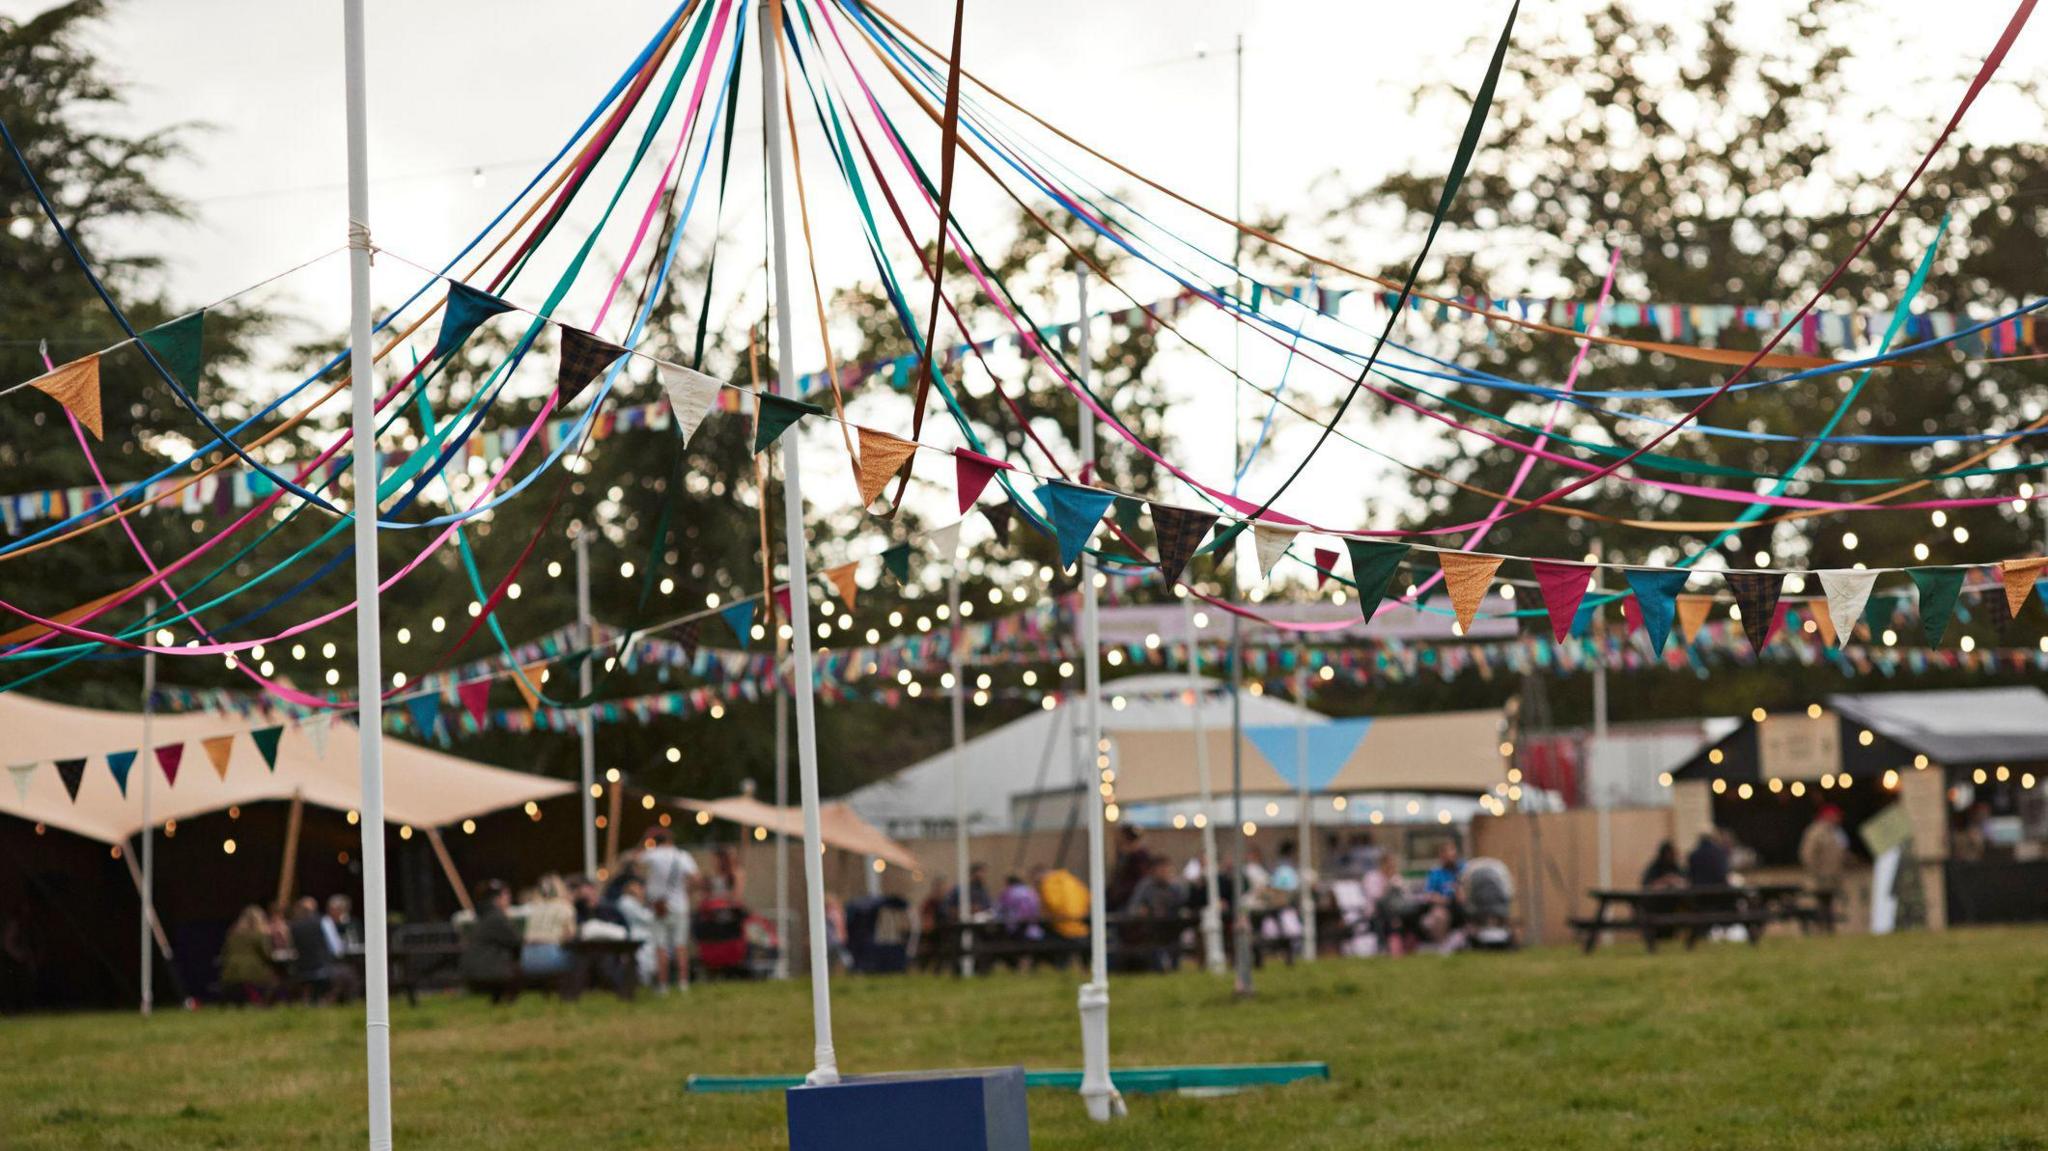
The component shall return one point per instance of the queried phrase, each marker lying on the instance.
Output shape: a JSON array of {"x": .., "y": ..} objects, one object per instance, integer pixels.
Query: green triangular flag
[
  {"x": 897, "y": 561},
  {"x": 1127, "y": 512},
  {"x": 777, "y": 414},
  {"x": 1373, "y": 563},
  {"x": 265, "y": 739},
  {"x": 1939, "y": 588},
  {"x": 176, "y": 346}
]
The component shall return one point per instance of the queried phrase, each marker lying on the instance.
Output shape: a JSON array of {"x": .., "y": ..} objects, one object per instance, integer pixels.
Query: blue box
[{"x": 979, "y": 1110}]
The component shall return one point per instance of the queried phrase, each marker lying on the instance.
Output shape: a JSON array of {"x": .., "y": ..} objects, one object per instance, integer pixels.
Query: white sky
[{"x": 458, "y": 85}]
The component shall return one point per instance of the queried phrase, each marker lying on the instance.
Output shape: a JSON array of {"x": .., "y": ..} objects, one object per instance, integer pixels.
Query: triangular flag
[
  {"x": 76, "y": 385},
  {"x": 23, "y": 773},
  {"x": 690, "y": 395},
  {"x": 476, "y": 699},
  {"x": 528, "y": 682},
  {"x": 1756, "y": 593},
  {"x": 1656, "y": 591},
  {"x": 896, "y": 561},
  {"x": 740, "y": 618},
  {"x": 1692, "y": 614},
  {"x": 1823, "y": 622},
  {"x": 425, "y": 711},
  {"x": 1326, "y": 562},
  {"x": 1778, "y": 618},
  {"x": 1939, "y": 588},
  {"x": 776, "y": 414},
  {"x": 177, "y": 346},
  {"x": 266, "y": 740},
  {"x": 1127, "y": 511},
  {"x": 2019, "y": 577},
  {"x": 842, "y": 580},
  {"x": 1632, "y": 617},
  {"x": 1373, "y": 564},
  {"x": 1848, "y": 591},
  {"x": 168, "y": 757},
  {"x": 1179, "y": 532},
  {"x": 119, "y": 764},
  {"x": 316, "y": 729},
  {"x": 1998, "y": 612},
  {"x": 465, "y": 310},
  {"x": 881, "y": 456},
  {"x": 686, "y": 638},
  {"x": 998, "y": 518},
  {"x": 1271, "y": 542},
  {"x": 583, "y": 357},
  {"x": 781, "y": 597},
  {"x": 1469, "y": 577},
  {"x": 72, "y": 772},
  {"x": 1075, "y": 512},
  {"x": 971, "y": 473},
  {"x": 945, "y": 542},
  {"x": 1582, "y": 620},
  {"x": 219, "y": 749},
  {"x": 1563, "y": 587}
]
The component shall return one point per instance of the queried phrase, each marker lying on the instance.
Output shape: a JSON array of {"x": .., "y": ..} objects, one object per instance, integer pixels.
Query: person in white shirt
[{"x": 671, "y": 875}]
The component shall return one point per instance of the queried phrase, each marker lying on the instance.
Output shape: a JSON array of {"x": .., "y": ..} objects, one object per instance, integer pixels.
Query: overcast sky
[{"x": 468, "y": 96}]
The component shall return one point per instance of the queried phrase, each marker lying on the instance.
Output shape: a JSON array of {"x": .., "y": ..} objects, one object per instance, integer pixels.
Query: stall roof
[
  {"x": 1966, "y": 726},
  {"x": 421, "y": 787}
]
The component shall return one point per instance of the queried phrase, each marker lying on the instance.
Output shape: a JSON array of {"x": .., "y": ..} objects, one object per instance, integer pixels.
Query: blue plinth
[{"x": 913, "y": 1111}]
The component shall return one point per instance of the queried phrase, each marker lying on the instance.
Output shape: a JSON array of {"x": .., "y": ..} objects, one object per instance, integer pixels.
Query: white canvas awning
[
  {"x": 839, "y": 825},
  {"x": 421, "y": 787}
]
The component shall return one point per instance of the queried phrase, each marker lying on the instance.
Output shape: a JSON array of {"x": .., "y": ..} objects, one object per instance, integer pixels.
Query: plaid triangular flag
[
  {"x": 1756, "y": 593},
  {"x": 1179, "y": 531},
  {"x": 583, "y": 357}
]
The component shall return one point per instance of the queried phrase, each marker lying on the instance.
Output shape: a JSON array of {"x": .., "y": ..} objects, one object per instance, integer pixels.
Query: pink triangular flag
[
  {"x": 169, "y": 757},
  {"x": 1564, "y": 588},
  {"x": 971, "y": 473},
  {"x": 782, "y": 602},
  {"x": 1632, "y": 613},
  {"x": 1326, "y": 561},
  {"x": 476, "y": 698}
]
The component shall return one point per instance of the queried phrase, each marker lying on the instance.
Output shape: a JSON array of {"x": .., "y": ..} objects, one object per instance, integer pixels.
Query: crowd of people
[{"x": 300, "y": 950}]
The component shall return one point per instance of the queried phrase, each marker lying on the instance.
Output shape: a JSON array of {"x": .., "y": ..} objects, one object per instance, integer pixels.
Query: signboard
[{"x": 1799, "y": 747}]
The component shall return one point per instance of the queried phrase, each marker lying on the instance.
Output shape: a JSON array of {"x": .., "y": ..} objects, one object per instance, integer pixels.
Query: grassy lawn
[{"x": 1921, "y": 1041}]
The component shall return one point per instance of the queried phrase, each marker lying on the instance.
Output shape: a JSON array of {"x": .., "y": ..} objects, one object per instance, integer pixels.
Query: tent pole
[
  {"x": 1304, "y": 854},
  {"x": 146, "y": 887},
  {"x": 154, "y": 930},
  {"x": 448, "y": 868},
  {"x": 1241, "y": 919},
  {"x": 369, "y": 631},
  {"x": 1212, "y": 904},
  {"x": 964, "y": 910},
  {"x": 585, "y": 728},
  {"x": 615, "y": 810},
  {"x": 1096, "y": 1089},
  {"x": 826, "y": 1070},
  {"x": 1603, "y": 798},
  {"x": 781, "y": 836},
  {"x": 288, "y": 870}
]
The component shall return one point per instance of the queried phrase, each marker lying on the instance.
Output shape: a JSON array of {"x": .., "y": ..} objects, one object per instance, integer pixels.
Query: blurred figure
[
  {"x": 1286, "y": 878},
  {"x": 1063, "y": 899},
  {"x": 490, "y": 951},
  {"x": 1824, "y": 851},
  {"x": 340, "y": 931},
  {"x": 670, "y": 875},
  {"x": 632, "y": 907},
  {"x": 977, "y": 893},
  {"x": 1709, "y": 864},
  {"x": 550, "y": 923},
  {"x": 728, "y": 877},
  {"x": 246, "y": 975},
  {"x": 1134, "y": 860},
  {"x": 1361, "y": 858},
  {"x": 1664, "y": 870},
  {"x": 1153, "y": 916},
  {"x": 313, "y": 958},
  {"x": 1018, "y": 909},
  {"x": 1969, "y": 842}
]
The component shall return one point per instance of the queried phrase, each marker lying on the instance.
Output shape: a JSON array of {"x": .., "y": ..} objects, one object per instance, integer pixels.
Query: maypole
[
  {"x": 826, "y": 1069},
  {"x": 585, "y": 724},
  {"x": 369, "y": 639},
  {"x": 1212, "y": 905}
]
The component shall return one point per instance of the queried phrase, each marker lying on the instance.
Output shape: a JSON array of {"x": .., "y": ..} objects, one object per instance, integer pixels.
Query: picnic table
[{"x": 1657, "y": 913}]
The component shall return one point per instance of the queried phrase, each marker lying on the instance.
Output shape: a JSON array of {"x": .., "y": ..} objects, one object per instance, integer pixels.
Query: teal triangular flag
[
  {"x": 740, "y": 618},
  {"x": 265, "y": 739},
  {"x": 176, "y": 346},
  {"x": 777, "y": 413},
  {"x": 465, "y": 310},
  {"x": 1657, "y": 600},
  {"x": 1128, "y": 512},
  {"x": 1074, "y": 511},
  {"x": 119, "y": 762},
  {"x": 1373, "y": 563},
  {"x": 425, "y": 711},
  {"x": 1939, "y": 588},
  {"x": 896, "y": 561}
]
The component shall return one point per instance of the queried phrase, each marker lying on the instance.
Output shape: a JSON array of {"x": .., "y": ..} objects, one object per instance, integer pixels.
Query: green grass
[{"x": 1919, "y": 1041}]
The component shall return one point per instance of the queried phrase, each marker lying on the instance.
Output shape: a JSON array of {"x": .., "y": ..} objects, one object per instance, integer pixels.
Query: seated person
[
  {"x": 1441, "y": 890},
  {"x": 1153, "y": 916},
  {"x": 314, "y": 962},
  {"x": 1396, "y": 912},
  {"x": 1018, "y": 909},
  {"x": 490, "y": 952},
  {"x": 1709, "y": 865},
  {"x": 550, "y": 922},
  {"x": 246, "y": 975},
  {"x": 1664, "y": 871}
]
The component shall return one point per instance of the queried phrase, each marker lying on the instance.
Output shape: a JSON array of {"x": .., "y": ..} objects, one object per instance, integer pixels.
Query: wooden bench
[{"x": 1656, "y": 914}]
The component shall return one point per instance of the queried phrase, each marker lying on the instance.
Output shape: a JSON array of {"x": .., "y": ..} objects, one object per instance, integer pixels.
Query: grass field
[{"x": 1920, "y": 1041}]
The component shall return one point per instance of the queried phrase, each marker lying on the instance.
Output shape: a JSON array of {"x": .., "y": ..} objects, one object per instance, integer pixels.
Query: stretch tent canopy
[
  {"x": 421, "y": 787},
  {"x": 1448, "y": 752},
  {"x": 841, "y": 826}
]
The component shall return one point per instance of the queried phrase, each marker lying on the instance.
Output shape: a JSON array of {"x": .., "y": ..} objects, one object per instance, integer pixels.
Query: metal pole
[
  {"x": 964, "y": 898},
  {"x": 1096, "y": 1089},
  {"x": 1304, "y": 854},
  {"x": 1602, "y": 795},
  {"x": 587, "y": 729},
  {"x": 1212, "y": 906},
  {"x": 147, "y": 758},
  {"x": 781, "y": 801},
  {"x": 369, "y": 631},
  {"x": 1241, "y": 920},
  {"x": 826, "y": 1070}
]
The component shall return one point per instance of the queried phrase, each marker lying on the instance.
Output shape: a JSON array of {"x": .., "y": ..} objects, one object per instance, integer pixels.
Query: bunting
[
  {"x": 1469, "y": 577},
  {"x": 1075, "y": 512},
  {"x": 881, "y": 456},
  {"x": 1326, "y": 562},
  {"x": 266, "y": 741},
  {"x": 219, "y": 749},
  {"x": 1373, "y": 564},
  {"x": 775, "y": 414},
  {"x": 476, "y": 699},
  {"x": 425, "y": 711},
  {"x": 72, "y": 772},
  {"x": 177, "y": 348},
  {"x": 1563, "y": 587},
  {"x": 1756, "y": 593},
  {"x": 843, "y": 581},
  {"x": 1848, "y": 592},
  {"x": 119, "y": 763},
  {"x": 76, "y": 385},
  {"x": 531, "y": 676},
  {"x": 971, "y": 473},
  {"x": 945, "y": 541},
  {"x": 1179, "y": 532},
  {"x": 1693, "y": 611},
  {"x": 316, "y": 729},
  {"x": 1939, "y": 588},
  {"x": 740, "y": 618},
  {"x": 583, "y": 357},
  {"x": 896, "y": 561},
  {"x": 168, "y": 757},
  {"x": 1656, "y": 594},
  {"x": 23, "y": 773},
  {"x": 2019, "y": 577},
  {"x": 691, "y": 395},
  {"x": 1271, "y": 541},
  {"x": 465, "y": 310}
]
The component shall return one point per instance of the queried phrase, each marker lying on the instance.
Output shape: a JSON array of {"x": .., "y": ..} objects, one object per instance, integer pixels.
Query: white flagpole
[
  {"x": 1304, "y": 853},
  {"x": 1212, "y": 906},
  {"x": 961, "y": 863},
  {"x": 146, "y": 760},
  {"x": 1097, "y": 1091},
  {"x": 585, "y": 727},
  {"x": 826, "y": 1070},
  {"x": 369, "y": 631}
]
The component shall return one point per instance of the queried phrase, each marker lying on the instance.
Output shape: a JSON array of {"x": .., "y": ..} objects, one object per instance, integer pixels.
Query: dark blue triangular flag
[
  {"x": 119, "y": 762},
  {"x": 1074, "y": 511},
  {"x": 72, "y": 772},
  {"x": 740, "y": 618},
  {"x": 466, "y": 309},
  {"x": 1657, "y": 599}
]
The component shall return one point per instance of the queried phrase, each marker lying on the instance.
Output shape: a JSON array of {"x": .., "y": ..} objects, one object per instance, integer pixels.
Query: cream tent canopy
[
  {"x": 839, "y": 825},
  {"x": 421, "y": 787},
  {"x": 1448, "y": 752}
]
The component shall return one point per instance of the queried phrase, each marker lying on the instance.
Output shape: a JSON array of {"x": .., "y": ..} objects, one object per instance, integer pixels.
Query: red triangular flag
[
  {"x": 1564, "y": 587},
  {"x": 971, "y": 473},
  {"x": 168, "y": 757},
  {"x": 782, "y": 602},
  {"x": 476, "y": 698},
  {"x": 1632, "y": 613},
  {"x": 1326, "y": 560}
]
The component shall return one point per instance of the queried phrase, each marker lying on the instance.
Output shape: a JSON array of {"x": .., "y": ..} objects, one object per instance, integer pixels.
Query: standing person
[
  {"x": 632, "y": 907},
  {"x": 1153, "y": 916},
  {"x": 490, "y": 952},
  {"x": 1133, "y": 863},
  {"x": 1824, "y": 853},
  {"x": 246, "y": 975},
  {"x": 670, "y": 874},
  {"x": 728, "y": 877}
]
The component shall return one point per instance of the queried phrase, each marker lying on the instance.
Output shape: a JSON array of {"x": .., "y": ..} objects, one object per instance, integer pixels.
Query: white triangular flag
[
  {"x": 1848, "y": 590},
  {"x": 946, "y": 541},
  {"x": 317, "y": 728},
  {"x": 690, "y": 395},
  {"x": 22, "y": 773},
  {"x": 1272, "y": 541}
]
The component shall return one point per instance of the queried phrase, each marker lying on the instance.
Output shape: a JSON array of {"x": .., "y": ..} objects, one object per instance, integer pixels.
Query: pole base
[
  {"x": 1212, "y": 941},
  {"x": 1097, "y": 1092}
]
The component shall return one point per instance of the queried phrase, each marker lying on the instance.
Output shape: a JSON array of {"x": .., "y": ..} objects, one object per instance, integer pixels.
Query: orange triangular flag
[
  {"x": 2019, "y": 577},
  {"x": 1468, "y": 577},
  {"x": 881, "y": 455},
  {"x": 842, "y": 581},
  {"x": 218, "y": 749},
  {"x": 1692, "y": 612},
  {"x": 527, "y": 681},
  {"x": 1823, "y": 621},
  {"x": 76, "y": 385}
]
